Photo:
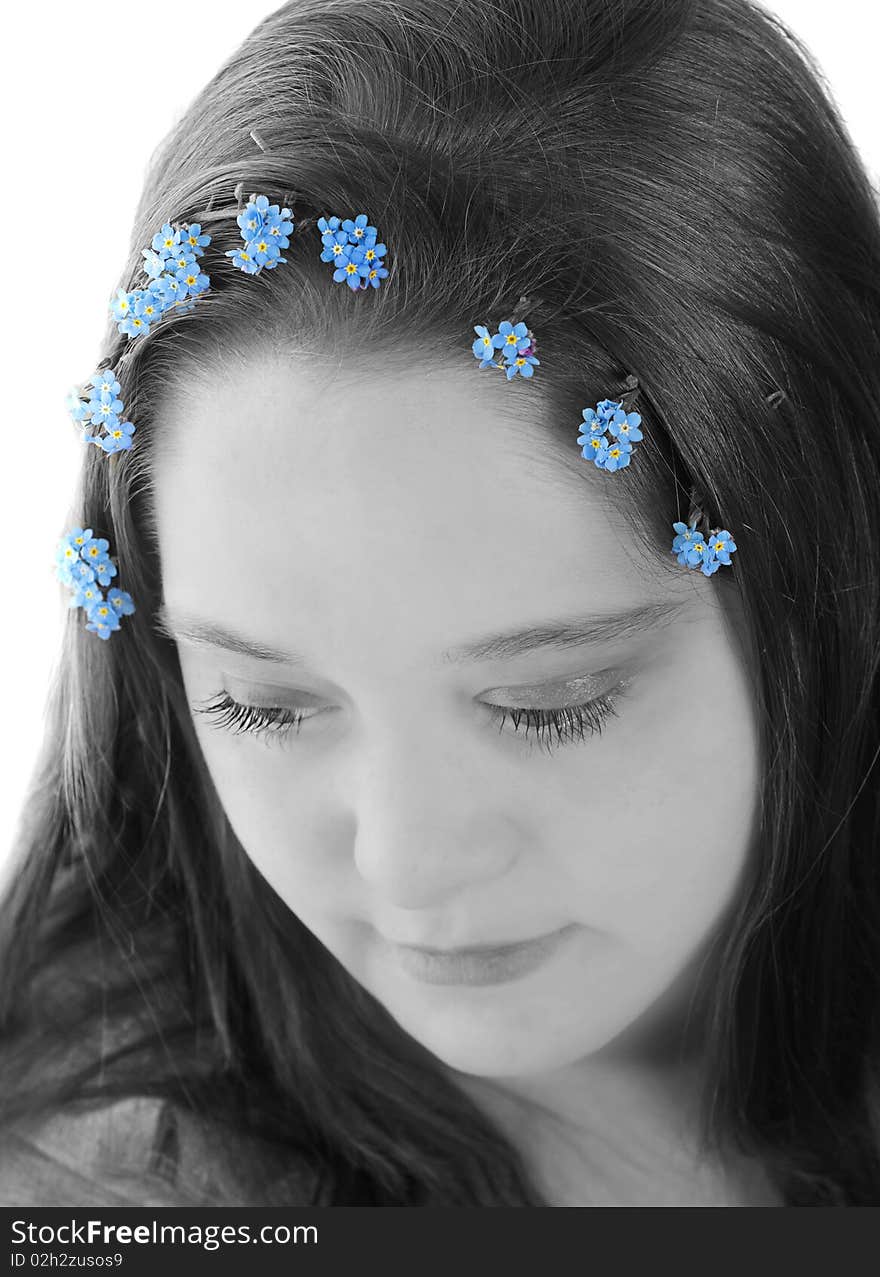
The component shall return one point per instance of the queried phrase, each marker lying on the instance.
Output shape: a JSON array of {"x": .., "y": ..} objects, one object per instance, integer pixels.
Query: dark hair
[{"x": 674, "y": 183}]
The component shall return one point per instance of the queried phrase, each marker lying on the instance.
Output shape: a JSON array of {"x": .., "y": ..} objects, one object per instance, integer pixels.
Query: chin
[{"x": 499, "y": 1038}]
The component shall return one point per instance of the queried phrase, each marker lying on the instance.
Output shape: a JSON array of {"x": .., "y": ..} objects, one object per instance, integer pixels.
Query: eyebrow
[{"x": 558, "y": 634}]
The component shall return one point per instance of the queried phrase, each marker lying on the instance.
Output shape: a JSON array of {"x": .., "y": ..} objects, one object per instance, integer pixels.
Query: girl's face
[{"x": 330, "y": 550}]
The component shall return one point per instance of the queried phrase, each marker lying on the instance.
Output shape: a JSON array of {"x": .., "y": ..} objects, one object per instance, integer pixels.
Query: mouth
[{"x": 478, "y": 964}]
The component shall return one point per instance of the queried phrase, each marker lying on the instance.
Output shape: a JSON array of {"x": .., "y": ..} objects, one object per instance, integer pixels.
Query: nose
[{"x": 426, "y": 829}]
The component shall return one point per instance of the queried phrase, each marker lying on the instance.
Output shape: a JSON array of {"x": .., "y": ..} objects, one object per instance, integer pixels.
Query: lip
[{"x": 478, "y": 964}]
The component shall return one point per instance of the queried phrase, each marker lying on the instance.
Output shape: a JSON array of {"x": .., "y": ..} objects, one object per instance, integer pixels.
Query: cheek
[
  {"x": 679, "y": 840},
  {"x": 273, "y": 818}
]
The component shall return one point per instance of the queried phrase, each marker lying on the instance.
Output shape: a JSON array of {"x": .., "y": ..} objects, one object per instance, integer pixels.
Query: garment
[{"x": 142, "y": 1151}]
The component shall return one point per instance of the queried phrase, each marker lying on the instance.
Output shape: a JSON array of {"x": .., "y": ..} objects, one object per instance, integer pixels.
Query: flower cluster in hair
[
  {"x": 351, "y": 246},
  {"x": 97, "y": 404},
  {"x": 84, "y": 565},
  {"x": 693, "y": 550},
  {"x": 175, "y": 279},
  {"x": 516, "y": 343},
  {"x": 609, "y": 433},
  {"x": 265, "y": 229}
]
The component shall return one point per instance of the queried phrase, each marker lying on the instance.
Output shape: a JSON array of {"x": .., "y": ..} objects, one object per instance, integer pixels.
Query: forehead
[{"x": 287, "y": 493}]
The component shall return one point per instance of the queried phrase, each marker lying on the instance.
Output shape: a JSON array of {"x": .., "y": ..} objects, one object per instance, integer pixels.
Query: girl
[{"x": 431, "y": 835}]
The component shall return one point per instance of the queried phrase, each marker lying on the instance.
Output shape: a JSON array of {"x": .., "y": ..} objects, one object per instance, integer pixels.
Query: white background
[{"x": 91, "y": 86}]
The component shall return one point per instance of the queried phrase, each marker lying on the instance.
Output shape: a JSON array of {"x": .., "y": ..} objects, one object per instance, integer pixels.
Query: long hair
[{"x": 674, "y": 184}]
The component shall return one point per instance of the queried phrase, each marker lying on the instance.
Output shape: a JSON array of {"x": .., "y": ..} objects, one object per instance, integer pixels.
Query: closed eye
[{"x": 571, "y": 724}]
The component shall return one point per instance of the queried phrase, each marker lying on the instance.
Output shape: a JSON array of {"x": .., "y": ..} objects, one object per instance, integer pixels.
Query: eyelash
[{"x": 570, "y": 723}]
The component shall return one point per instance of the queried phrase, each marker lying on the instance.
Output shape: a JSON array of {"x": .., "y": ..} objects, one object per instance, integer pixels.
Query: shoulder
[{"x": 144, "y": 1151}]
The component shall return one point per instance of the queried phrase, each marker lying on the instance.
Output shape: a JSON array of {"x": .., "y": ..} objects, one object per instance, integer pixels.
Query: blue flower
[
  {"x": 516, "y": 339},
  {"x": 77, "y": 406},
  {"x": 330, "y": 225},
  {"x": 243, "y": 260},
  {"x": 350, "y": 266},
  {"x": 118, "y": 439},
  {"x": 105, "y": 382},
  {"x": 689, "y": 546},
  {"x": 81, "y": 571},
  {"x": 104, "y": 628},
  {"x": 522, "y": 363},
  {"x": 614, "y": 456},
  {"x": 151, "y": 304},
  {"x": 607, "y": 408},
  {"x": 169, "y": 289},
  {"x": 595, "y": 445},
  {"x": 264, "y": 229},
  {"x": 722, "y": 545},
  {"x": 358, "y": 230},
  {"x": 625, "y": 425},
  {"x": 193, "y": 237},
  {"x": 597, "y": 424},
  {"x": 154, "y": 263},
  {"x": 121, "y": 602},
  {"x": 180, "y": 260},
  {"x": 78, "y": 537},
  {"x": 103, "y": 616},
  {"x": 376, "y": 275},
  {"x": 264, "y": 250},
  {"x": 335, "y": 244},
  {"x": 122, "y": 304},
  {"x": 194, "y": 280},
  {"x": 104, "y": 410},
  {"x": 486, "y": 344},
  {"x": 251, "y": 220},
  {"x": 94, "y": 549},
  {"x": 166, "y": 240},
  {"x": 133, "y": 324},
  {"x": 85, "y": 594},
  {"x": 105, "y": 571},
  {"x": 373, "y": 251}
]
